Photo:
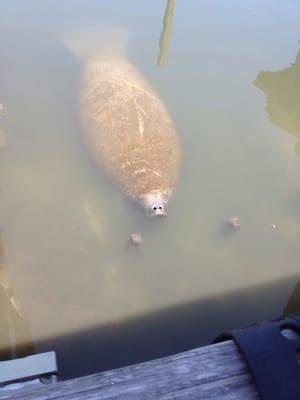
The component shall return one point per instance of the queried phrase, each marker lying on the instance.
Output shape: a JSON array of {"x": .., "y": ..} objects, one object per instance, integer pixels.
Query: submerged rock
[
  {"x": 235, "y": 222},
  {"x": 3, "y": 110},
  {"x": 135, "y": 239}
]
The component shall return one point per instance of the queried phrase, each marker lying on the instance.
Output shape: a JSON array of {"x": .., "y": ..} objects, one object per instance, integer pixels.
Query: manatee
[{"x": 129, "y": 131}]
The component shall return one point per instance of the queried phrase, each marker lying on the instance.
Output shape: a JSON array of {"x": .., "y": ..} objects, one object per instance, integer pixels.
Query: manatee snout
[
  {"x": 158, "y": 209},
  {"x": 155, "y": 204}
]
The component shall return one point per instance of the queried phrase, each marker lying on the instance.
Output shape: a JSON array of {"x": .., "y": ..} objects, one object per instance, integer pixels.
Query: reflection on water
[
  {"x": 282, "y": 90},
  {"x": 15, "y": 338},
  {"x": 165, "y": 36},
  {"x": 65, "y": 228},
  {"x": 3, "y": 112}
]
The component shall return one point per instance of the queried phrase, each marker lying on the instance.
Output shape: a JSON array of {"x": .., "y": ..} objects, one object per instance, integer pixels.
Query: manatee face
[
  {"x": 155, "y": 204},
  {"x": 158, "y": 209}
]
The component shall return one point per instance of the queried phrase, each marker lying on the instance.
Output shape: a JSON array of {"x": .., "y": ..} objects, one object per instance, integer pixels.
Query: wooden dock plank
[
  {"x": 210, "y": 372},
  {"x": 31, "y": 366}
]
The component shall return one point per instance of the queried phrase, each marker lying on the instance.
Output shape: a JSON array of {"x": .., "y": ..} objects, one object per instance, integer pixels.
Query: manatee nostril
[
  {"x": 154, "y": 208},
  {"x": 160, "y": 207}
]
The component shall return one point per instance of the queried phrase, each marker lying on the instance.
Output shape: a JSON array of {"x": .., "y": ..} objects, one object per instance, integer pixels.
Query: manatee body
[{"x": 130, "y": 132}]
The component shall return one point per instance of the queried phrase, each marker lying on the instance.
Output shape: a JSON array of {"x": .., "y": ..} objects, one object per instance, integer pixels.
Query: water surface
[{"x": 228, "y": 72}]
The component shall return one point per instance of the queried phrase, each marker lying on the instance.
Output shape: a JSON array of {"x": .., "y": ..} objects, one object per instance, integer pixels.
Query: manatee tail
[{"x": 93, "y": 42}]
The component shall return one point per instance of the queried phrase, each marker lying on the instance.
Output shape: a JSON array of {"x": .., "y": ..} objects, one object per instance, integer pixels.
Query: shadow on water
[
  {"x": 168, "y": 331},
  {"x": 282, "y": 90},
  {"x": 156, "y": 334}
]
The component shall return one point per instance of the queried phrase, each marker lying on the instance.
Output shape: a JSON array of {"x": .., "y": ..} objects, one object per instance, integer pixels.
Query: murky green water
[{"x": 64, "y": 227}]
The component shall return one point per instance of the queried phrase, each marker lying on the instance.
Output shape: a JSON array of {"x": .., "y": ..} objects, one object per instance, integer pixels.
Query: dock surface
[{"x": 210, "y": 372}]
